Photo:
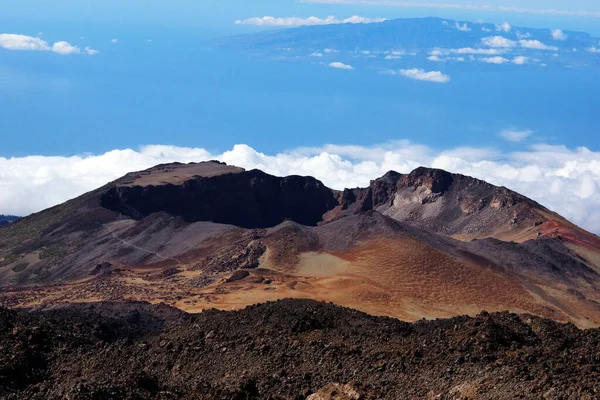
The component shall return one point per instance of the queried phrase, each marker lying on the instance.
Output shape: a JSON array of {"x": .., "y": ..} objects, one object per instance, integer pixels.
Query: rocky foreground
[{"x": 290, "y": 349}]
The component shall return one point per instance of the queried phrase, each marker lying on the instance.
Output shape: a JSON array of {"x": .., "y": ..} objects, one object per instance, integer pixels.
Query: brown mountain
[{"x": 196, "y": 236}]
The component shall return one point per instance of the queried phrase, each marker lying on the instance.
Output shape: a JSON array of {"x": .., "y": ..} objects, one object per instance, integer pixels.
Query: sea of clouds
[{"x": 563, "y": 179}]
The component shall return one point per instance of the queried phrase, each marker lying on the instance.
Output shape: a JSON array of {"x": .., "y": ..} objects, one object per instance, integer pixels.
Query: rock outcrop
[{"x": 249, "y": 199}]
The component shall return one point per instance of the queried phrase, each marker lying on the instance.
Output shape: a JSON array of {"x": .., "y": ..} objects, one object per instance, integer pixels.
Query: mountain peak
[
  {"x": 177, "y": 173},
  {"x": 437, "y": 180}
]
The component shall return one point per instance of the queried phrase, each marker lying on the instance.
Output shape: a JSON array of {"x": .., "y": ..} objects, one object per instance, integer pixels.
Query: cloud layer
[
  {"x": 11, "y": 41},
  {"x": 565, "y": 180},
  {"x": 296, "y": 21}
]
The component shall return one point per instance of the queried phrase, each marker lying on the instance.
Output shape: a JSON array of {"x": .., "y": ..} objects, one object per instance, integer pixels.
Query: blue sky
[
  {"x": 155, "y": 81},
  {"x": 215, "y": 16},
  {"x": 81, "y": 107}
]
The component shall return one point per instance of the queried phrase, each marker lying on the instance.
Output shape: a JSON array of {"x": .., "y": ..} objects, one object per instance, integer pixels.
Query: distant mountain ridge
[
  {"x": 208, "y": 235},
  {"x": 428, "y": 41}
]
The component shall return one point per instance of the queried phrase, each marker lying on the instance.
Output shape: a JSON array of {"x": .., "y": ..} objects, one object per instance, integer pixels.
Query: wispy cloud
[
  {"x": 297, "y": 21},
  {"x": 88, "y": 50},
  {"x": 463, "y": 50},
  {"x": 542, "y": 172},
  {"x": 495, "y": 60},
  {"x": 427, "y": 76},
  {"x": 520, "y": 60},
  {"x": 11, "y": 41},
  {"x": 504, "y": 27},
  {"x": 502, "y": 42},
  {"x": 593, "y": 49},
  {"x": 537, "y": 45},
  {"x": 515, "y": 135},
  {"x": 498, "y": 41},
  {"x": 340, "y": 65},
  {"x": 463, "y": 28},
  {"x": 557, "y": 34},
  {"x": 461, "y": 6}
]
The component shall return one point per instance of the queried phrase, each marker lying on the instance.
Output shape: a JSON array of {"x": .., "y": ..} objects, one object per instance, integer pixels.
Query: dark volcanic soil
[{"x": 290, "y": 349}]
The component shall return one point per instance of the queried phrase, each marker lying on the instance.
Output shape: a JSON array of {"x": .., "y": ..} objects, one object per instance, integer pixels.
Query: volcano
[{"x": 428, "y": 244}]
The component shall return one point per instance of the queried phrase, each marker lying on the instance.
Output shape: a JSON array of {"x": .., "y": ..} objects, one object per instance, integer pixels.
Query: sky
[{"x": 90, "y": 90}]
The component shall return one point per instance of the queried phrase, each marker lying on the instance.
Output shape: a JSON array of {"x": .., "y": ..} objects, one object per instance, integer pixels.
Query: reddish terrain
[{"x": 197, "y": 236}]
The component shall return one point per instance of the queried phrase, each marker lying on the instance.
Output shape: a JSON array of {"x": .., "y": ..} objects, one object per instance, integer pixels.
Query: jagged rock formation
[{"x": 249, "y": 199}]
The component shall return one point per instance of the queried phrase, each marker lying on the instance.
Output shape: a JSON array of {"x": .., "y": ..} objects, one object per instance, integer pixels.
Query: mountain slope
[{"x": 209, "y": 235}]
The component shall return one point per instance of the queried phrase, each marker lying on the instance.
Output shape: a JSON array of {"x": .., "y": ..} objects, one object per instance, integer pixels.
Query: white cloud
[
  {"x": 460, "y": 6},
  {"x": 316, "y": 54},
  {"x": 64, "y": 48},
  {"x": 502, "y": 42},
  {"x": 523, "y": 35},
  {"x": 12, "y": 41},
  {"x": 392, "y": 57},
  {"x": 331, "y": 51},
  {"x": 565, "y": 180},
  {"x": 483, "y": 28},
  {"x": 463, "y": 28},
  {"x": 340, "y": 65},
  {"x": 463, "y": 50},
  {"x": 88, "y": 50},
  {"x": 557, "y": 34},
  {"x": 536, "y": 44},
  {"x": 520, "y": 60},
  {"x": 593, "y": 49},
  {"x": 469, "y": 50},
  {"x": 495, "y": 60},
  {"x": 422, "y": 75},
  {"x": 503, "y": 27},
  {"x": 515, "y": 135},
  {"x": 296, "y": 21},
  {"x": 498, "y": 41},
  {"x": 115, "y": 40}
]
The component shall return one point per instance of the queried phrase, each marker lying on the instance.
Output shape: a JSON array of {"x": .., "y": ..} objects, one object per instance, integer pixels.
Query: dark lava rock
[
  {"x": 249, "y": 199},
  {"x": 289, "y": 349},
  {"x": 238, "y": 276}
]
